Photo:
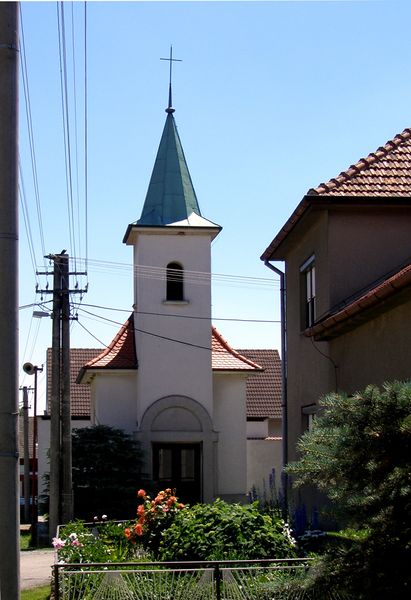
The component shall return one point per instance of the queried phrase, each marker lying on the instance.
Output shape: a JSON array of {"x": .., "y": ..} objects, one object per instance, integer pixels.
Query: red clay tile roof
[
  {"x": 225, "y": 358},
  {"x": 344, "y": 319},
  {"x": 264, "y": 388},
  {"x": 120, "y": 353},
  {"x": 386, "y": 173},
  {"x": 80, "y": 393}
]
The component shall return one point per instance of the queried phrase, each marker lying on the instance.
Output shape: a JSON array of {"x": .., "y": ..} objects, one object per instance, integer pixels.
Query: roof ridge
[{"x": 362, "y": 164}]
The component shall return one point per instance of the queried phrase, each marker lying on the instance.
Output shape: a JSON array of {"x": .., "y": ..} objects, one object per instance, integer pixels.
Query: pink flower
[
  {"x": 141, "y": 493},
  {"x": 58, "y": 543},
  {"x": 76, "y": 543}
]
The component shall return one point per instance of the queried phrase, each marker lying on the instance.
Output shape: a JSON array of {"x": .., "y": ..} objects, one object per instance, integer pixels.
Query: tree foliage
[
  {"x": 358, "y": 453},
  {"x": 107, "y": 467}
]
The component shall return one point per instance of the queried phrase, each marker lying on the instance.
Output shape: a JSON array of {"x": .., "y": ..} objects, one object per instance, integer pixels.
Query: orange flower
[
  {"x": 180, "y": 506},
  {"x": 127, "y": 533},
  {"x": 138, "y": 529},
  {"x": 141, "y": 493},
  {"x": 171, "y": 500},
  {"x": 140, "y": 510}
]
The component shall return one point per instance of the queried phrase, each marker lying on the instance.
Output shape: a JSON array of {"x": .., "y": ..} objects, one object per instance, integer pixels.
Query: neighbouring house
[
  {"x": 347, "y": 254},
  {"x": 169, "y": 378}
]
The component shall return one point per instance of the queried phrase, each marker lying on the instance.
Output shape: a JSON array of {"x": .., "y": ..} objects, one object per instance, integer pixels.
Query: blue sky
[{"x": 271, "y": 99}]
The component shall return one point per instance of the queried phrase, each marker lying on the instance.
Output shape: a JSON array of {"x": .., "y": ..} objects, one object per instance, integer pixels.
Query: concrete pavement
[{"x": 35, "y": 568}]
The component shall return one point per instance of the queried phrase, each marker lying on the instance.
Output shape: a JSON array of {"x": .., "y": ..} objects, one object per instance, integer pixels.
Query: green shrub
[
  {"x": 225, "y": 531},
  {"x": 103, "y": 542}
]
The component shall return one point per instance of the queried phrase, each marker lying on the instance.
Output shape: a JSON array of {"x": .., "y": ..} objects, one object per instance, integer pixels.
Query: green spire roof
[{"x": 170, "y": 197}]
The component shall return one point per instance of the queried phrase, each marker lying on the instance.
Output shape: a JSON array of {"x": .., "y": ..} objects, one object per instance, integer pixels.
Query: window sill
[{"x": 176, "y": 302}]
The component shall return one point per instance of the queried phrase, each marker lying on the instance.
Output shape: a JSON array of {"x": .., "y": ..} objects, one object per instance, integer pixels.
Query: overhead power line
[
  {"x": 85, "y": 134},
  {"x": 66, "y": 121},
  {"x": 29, "y": 119},
  {"x": 26, "y": 218},
  {"x": 152, "y": 334},
  {"x": 160, "y": 273},
  {"x": 155, "y": 314}
]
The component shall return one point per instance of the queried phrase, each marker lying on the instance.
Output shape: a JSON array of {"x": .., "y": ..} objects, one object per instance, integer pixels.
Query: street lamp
[{"x": 33, "y": 370}]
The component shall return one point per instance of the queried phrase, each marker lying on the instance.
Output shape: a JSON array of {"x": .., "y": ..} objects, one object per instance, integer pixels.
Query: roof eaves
[
  {"x": 116, "y": 349},
  {"x": 368, "y": 300},
  {"x": 331, "y": 188}
]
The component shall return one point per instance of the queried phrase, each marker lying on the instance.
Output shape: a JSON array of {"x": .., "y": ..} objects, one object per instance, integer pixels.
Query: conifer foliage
[{"x": 358, "y": 452}]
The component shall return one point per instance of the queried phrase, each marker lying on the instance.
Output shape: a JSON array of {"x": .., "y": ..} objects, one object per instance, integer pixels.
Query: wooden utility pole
[
  {"x": 66, "y": 462},
  {"x": 54, "y": 481},
  {"x": 61, "y": 489},
  {"x": 9, "y": 453}
]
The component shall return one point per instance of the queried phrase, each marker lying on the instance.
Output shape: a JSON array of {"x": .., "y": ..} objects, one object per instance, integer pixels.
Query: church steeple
[
  {"x": 170, "y": 197},
  {"x": 171, "y": 200}
]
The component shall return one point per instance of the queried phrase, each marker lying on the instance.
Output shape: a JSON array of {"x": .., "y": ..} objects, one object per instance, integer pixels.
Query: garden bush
[
  {"x": 154, "y": 517},
  {"x": 103, "y": 541},
  {"x": 221, "y": 531}
]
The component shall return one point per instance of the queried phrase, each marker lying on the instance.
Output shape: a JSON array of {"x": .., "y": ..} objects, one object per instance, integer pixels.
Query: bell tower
[{"x": 172, "y": 282}]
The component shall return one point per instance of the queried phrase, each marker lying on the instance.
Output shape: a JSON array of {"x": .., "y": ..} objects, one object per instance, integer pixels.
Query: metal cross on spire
[{"x": 170, "y": 108}]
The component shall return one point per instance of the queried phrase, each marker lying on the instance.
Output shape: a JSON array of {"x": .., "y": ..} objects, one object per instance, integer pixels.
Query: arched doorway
[{"x": 179, "y": 442}]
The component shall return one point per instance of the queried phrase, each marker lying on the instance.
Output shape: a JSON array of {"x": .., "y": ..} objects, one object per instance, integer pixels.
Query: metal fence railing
[{"x": 213, "y": 580}]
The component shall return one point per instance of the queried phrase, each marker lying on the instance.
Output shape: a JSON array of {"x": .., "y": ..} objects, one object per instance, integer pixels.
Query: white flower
[{"x": 73, "y": 536}]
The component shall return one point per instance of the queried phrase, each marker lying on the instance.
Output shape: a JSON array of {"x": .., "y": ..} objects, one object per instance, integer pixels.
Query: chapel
[{"x": 169, "y": 378}]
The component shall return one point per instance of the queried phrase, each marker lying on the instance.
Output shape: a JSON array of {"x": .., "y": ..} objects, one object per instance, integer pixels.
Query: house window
[
  {"x": 308, "y": 298},
  {"x": 175, "y": 282},
  {"x": 308, "y": 413}
]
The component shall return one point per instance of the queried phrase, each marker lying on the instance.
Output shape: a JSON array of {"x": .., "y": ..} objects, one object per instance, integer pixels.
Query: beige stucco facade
[{"x": 353, "y": 248}]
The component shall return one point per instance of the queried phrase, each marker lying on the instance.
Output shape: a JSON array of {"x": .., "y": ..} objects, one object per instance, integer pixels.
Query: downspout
[{"x": 284, "y": 403}]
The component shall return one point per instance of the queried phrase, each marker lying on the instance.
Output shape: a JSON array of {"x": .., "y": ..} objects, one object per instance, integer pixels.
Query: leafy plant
[
  {"x": 225, "y": 531},
  {"x": 102, "y": 542},
  {"x": 154, "y": 516}
]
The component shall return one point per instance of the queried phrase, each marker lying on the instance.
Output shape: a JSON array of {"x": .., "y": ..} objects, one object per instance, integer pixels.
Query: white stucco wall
[
  {"x": 167, "y": 367},
  {"x": 262, "y": 457},
  {"x": 114, "y": 401},
  {"x": 230, "y": 423}
]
